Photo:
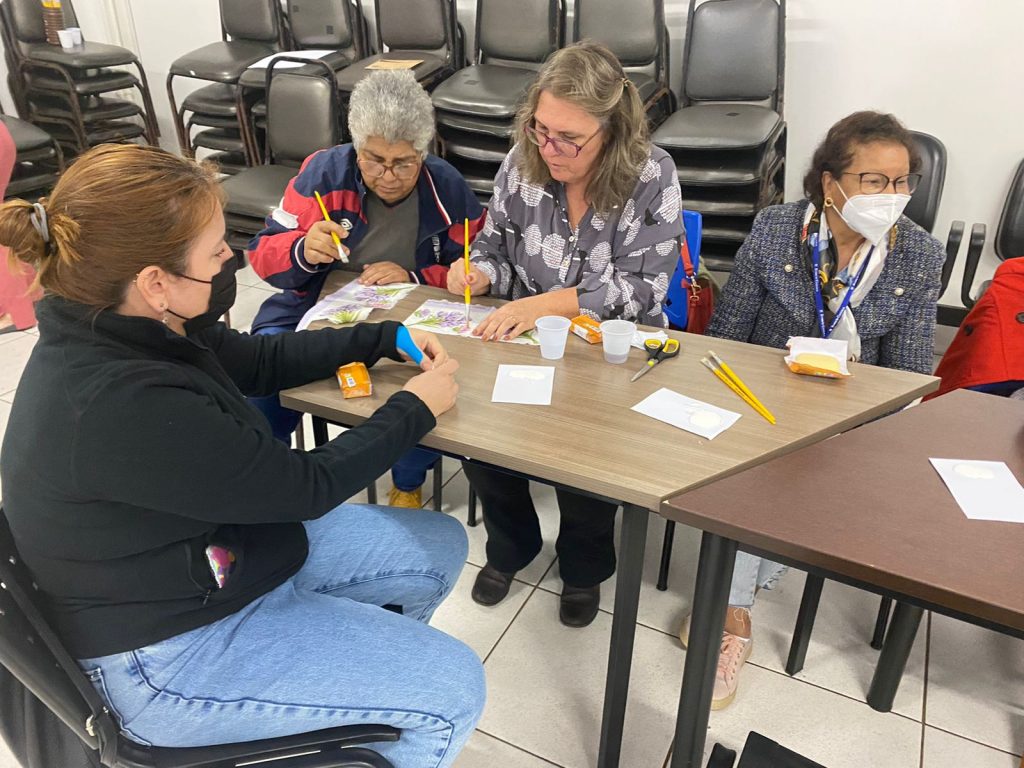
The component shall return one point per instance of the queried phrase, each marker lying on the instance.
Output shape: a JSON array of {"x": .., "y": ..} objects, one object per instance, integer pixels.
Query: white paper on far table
[
  {"x": 985, "y": 490},
  {"x": 524, "y": 384},
  {"x": 686, "y": 413},
  {"x": 308, "y": 55}
]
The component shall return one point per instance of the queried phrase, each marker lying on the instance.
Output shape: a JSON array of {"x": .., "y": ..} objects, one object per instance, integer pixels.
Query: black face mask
[{"x": 223, "y": 288}]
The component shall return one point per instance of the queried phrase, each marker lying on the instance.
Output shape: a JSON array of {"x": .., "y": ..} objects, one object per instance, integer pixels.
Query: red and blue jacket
[{"x": 277, "y": 253}]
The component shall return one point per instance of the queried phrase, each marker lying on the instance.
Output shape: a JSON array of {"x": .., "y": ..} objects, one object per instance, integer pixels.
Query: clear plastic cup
[
  {"x": 616, "y": 336},
  {"x": 552, "y": 331},
  {"x": 67, "y": 38},
  {"x": 76, "y": 34}
]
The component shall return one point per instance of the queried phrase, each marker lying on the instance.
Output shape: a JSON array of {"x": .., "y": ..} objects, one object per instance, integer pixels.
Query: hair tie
[
  {"x": 625, "y": 82},
  {"x": 38, "y": 219}
]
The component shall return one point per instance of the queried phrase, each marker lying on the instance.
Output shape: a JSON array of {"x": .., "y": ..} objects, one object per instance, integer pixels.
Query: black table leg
[
  {"x": 881, "y": 622},
  {"x": 893, "y": 658},
  {"x": 710, "y": 596},
  {"x": 620, "y": 652},
  {"x": 804, "y": 623},
  {"x": 666, "y": 555}
]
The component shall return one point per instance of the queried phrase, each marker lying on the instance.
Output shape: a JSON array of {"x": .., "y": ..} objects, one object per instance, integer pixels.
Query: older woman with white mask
[{"x": 842, "y": 264}]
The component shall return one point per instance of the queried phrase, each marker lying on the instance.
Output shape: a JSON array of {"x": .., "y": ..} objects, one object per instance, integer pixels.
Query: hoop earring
[{"x": 829, "y": 203}]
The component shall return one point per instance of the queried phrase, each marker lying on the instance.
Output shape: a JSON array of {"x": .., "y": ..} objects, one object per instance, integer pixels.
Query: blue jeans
[
  {"x": 319, "y": 651},
  {"x": 408, "y": 473},
  {"x": 750, "y": 574}
]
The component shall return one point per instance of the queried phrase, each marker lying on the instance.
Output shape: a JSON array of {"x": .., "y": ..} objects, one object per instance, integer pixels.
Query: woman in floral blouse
[{"x": 585, "y": 219}]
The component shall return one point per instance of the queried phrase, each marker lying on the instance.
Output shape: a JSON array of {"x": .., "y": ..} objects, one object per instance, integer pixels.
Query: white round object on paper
[
  {"x": 974, "y": 471},
  {"x": 705, "y": 419}
]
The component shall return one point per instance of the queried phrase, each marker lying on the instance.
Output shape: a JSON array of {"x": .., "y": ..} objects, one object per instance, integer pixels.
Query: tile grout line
[
  {"x": 512, "y": 621},
  {"x": 517, "y": 747}
]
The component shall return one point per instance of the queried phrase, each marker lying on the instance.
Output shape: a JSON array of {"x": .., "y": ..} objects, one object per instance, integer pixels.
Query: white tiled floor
[{"x": 961, "y": 704}]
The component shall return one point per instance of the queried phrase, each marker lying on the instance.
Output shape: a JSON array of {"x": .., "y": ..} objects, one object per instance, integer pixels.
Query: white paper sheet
[
  {"x": 524, "y": 384},
  {"x": 686, "y": 413},
  {"x": 985, "y": 490},
  {"x": 308, "y": 55}
]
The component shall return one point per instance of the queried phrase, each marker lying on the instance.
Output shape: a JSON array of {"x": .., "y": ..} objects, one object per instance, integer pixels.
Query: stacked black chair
[
  {"x": 475, "y": 108},
  {"x": 420, "y": 30},
  {"x": 728, "y": 136},
  {"x": 255, "y": 192},
  {"x": 635, "y": 32},
  {"x": 39, "y": 158},
  {"x": 320, "y": 25},
  {"x": 35, "y": 656},
  {"x": 251, "y": 30},
  {"x": 69, "y": 90}
]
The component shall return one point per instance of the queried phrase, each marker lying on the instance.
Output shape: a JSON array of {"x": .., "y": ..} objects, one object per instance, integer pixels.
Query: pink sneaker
[{"x": 734, "y": 653}]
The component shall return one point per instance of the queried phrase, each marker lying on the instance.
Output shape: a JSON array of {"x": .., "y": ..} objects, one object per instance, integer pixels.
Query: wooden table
[
  {"x": 590, "y": 441},
  {"x": 867, "y": 509}
]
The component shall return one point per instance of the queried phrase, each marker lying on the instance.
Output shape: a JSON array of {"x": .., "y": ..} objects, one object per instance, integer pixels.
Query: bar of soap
[{"x": 816, "y": 360}]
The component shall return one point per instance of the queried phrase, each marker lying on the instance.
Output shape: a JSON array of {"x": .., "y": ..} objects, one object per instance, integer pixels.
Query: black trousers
[{"x": 586, "y": 534}]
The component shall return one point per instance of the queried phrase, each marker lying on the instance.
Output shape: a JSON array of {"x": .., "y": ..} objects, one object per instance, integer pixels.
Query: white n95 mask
[{"x": 872, "y": 215}]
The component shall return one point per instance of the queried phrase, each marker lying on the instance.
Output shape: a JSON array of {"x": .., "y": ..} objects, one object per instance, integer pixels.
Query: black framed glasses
[
  {"x": 875, "y": 183},
  {"x": 562, "y": 147},
  {"x": 373, "y": 170}
]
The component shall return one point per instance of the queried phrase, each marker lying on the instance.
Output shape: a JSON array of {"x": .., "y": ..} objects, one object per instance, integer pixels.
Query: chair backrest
[
  {"x": 1009, "y": 242},
  {"x": 418, "y": 25},
  {"x": 324, "y": 24},
  {"x": 316, "y": 99},
  {"x": 25, "y": 20},
  {"x": 524, "y": 32},
  {"x": 631, "y": 29},
  {"x": 258, "y": 20},
  {"x": 924, "y": 203},
  {"x": 734, "y": 51},
  {"x": 27, "y": 644}
]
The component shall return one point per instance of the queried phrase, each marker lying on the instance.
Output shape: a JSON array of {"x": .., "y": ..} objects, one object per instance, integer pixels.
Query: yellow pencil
[
  {"x": 739, "y": 382},
  {"x": 467, "y": 293},
  {"x": 334, "y": 235},
  {"x": 739, "y": 392}
]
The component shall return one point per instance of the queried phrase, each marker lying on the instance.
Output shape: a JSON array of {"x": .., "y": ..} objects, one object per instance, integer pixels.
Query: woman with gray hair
[
  {"x": 585, "y": 219},
  {"x": 398, "y": 210}
]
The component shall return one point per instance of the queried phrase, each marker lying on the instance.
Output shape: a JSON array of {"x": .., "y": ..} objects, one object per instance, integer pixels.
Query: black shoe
[
  {"x": 491, "y": 585},
  {"x": 578, "y": 605}
]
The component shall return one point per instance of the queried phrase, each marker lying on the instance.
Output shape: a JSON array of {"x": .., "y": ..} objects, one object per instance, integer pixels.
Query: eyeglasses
[
  {"x": 373, "y": 170},
  {"x": 562, "y": 147},
  {"x": 876, "y": 183}
]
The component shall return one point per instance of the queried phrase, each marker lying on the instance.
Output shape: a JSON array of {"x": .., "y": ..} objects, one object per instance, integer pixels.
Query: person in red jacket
[
  {"x": 398, "y": 210},
  {"x": 987, "y": 353}
]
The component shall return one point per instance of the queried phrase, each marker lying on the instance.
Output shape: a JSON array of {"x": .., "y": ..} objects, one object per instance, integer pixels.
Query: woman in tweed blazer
[{"x": 770, "y": 295}]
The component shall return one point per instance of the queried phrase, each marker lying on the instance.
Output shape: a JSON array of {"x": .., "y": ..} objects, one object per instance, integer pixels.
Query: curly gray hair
[{"x": 392, "y": 105}]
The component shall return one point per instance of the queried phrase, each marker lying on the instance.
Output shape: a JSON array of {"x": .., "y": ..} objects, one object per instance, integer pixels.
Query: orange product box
[
  {"x": 354, "y": 380},
  {"x": 587, "y": 328}
]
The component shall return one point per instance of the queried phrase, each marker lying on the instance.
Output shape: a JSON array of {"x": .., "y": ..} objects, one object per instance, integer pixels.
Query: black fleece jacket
[{"x": 131, "y": 449}]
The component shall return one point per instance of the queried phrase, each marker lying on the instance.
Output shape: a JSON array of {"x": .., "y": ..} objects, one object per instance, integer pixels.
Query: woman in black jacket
[{"x": 211, "y": 581}]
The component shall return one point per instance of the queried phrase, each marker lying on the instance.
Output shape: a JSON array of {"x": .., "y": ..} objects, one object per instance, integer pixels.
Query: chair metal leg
[
  {"x": 804, "y": 624},
  {"x": 179, "y": 127},
  {"x": 438, "y": 483},
  {"x": 471, "y": 519},
  {"x": 893, "y": 658},
  {"x": 878, "y": 638},
  {"x": 152, "y": 127},
  {"x": 666, "y": 555},
  {"x": 371, "y": 493}
]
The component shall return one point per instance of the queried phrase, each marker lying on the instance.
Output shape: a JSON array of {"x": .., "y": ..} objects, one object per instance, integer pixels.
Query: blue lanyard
[{"x": 819, "y": 303}]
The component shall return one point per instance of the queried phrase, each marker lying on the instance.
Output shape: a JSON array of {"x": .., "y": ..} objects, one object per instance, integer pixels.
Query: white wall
[{"x": 942, "y": 66}]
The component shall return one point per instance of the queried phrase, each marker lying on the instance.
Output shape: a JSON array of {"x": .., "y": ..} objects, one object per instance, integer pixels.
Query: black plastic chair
[
  {"x": 759, "y": 752},
  {"x": 32, "y": 652},
  {"x": 64, "y": 89},
  {"x": 475, "y": 109},
  {"x": 635, "y": 32},
  {"x": 39, "y": 159},
  {"x": 728, "y": 135},
  {"x": 249, "y": 31}
]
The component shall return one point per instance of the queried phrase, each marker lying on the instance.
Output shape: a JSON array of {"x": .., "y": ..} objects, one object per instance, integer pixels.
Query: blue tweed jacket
[{"x": 770, "y": 293}]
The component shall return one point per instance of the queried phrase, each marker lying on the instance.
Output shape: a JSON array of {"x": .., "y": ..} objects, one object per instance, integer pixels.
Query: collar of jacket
[{"x": 147, "y": 338}]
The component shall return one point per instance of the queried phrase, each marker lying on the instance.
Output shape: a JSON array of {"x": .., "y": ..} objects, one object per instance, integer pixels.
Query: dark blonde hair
[
  {"x": 587, "y": 75},
  {"x": 118, "y": 209}
]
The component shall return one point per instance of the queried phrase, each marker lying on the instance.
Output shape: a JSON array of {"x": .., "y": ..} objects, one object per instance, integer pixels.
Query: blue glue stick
[{"x": 404, "y": 343}]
